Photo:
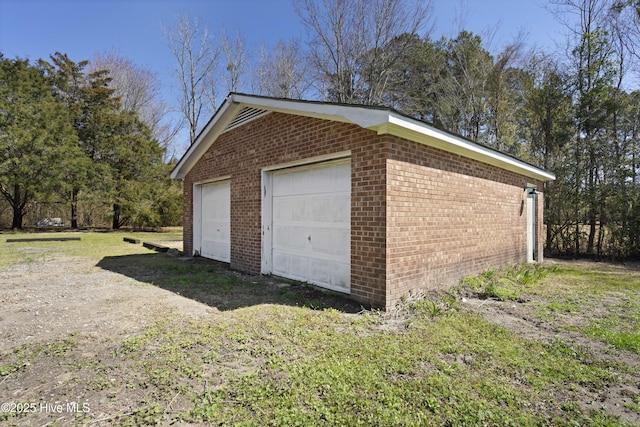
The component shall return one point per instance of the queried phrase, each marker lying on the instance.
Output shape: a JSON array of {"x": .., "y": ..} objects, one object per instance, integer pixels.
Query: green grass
[
  {"x": 94, "y": 245},
  {"x": 610, "y": 332},
  {"x": 596, "y": 279},
  {"x": 508, "y": 284},
  {"x": 619, "y": 328},
  {"x": 608, "y": 296},
  {"x": 292, "y": 366},
  {"x": 291, "y": 356}
]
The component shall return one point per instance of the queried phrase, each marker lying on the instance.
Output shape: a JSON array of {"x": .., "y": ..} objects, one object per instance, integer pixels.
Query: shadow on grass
[{"x": 214, "y": 284}]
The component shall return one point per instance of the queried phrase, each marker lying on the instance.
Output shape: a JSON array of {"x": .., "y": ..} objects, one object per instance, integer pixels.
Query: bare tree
[
  {"x": 282, "y": 72},
  {"x": 196, "y": 59},
  {"x": 139, "y": 91},
  {"x": 349, "y": 40},
  {"x": 236, "y": 60}
]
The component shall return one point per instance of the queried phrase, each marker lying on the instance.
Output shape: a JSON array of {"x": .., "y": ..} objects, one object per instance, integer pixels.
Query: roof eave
[
  {"x": 413, "y": 130},
  {"x": 359, "y": 115},
  {"x": 207, "y": 136},
  {"x": 377, "y": 119}
]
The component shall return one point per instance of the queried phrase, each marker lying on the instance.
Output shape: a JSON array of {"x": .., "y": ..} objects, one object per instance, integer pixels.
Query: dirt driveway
[
  {"x": 66, "y": 322},
  {"x": 49, "y": 301},
  {"x": 46, "y": 304}
]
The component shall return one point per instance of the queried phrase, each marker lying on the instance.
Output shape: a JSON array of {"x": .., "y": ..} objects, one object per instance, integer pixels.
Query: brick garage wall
[
  {"x": 449, "y": 217},
  {"x": 368, "y": 222},
  {"x": 280, "y": 138}
]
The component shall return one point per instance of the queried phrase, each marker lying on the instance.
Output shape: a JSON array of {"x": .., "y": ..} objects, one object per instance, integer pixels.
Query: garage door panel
[
  {"x": 326, "y": 179},
  {"x": 289, "y": 237},
  {"x": 332, "y": 243},
  {"x": 283, "y": 186},
  {"x": 329, "y": 179},
  {"x": 335, "y": 244},
  {"x": 289, "y": 209},
  {"x": 290, "y": 265},
  {"x": 332, "y": 210},
  {"x": 217, "y": 231},
  {"x": 341, "y": 277},
  {"x": 311, "y": 224},
  {"x": 211, "y": 249},
  {"x": 325, "y": 273},
  {"x": 331, "y": 275},
  {"x": 216, "y": 210},
  {"x": 216, "y": 221},
  {"x": 320, "y": 271}
]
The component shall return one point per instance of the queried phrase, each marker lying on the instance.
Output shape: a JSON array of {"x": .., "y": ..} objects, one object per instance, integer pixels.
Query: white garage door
[
  {"x": 311, "y": 238},
  {"x": 216, "y": 216}
]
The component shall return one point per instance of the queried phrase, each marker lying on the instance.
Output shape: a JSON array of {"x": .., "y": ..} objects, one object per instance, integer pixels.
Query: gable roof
[{"x": 239, "y": 108}]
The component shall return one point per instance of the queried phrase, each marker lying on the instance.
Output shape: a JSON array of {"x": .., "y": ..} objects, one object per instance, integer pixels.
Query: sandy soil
[
  {"x": 49, "y": 301},
  {"x": 53, "y": 300}
]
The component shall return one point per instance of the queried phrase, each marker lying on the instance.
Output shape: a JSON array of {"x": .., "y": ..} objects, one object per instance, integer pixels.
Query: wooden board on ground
[{"x": 44, "y": 239}]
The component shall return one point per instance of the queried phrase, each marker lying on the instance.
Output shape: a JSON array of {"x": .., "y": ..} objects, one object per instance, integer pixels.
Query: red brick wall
[
  {"x": 448, "y": 217},
  {"x": 278, "y": 138},
  {"x": 368, "y": 226}
]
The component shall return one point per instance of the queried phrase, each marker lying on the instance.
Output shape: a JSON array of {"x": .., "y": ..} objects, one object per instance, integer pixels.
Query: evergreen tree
[
  {"x": 120, "y": 162},
  {"x": 36, "y": 138},
  {"x": 86, "y": 97}
]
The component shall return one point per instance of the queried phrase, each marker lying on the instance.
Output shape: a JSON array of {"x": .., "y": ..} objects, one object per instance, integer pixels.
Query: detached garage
[{"x": 359, "y": 200}]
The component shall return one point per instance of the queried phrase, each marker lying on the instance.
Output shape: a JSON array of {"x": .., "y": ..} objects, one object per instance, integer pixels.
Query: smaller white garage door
[
  {"x": 215, "y": 239},
  {"x": 311, "y": 214}
]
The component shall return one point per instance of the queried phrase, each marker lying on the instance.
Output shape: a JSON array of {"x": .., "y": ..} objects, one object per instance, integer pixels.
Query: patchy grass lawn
[
  {"x": 602, "y": 300},
  {"x": 269, "y": 352}
]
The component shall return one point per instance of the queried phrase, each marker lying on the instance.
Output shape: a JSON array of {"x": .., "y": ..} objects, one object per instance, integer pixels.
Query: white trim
[
  {"x": 216, "y": 126},
  {"x": 362, "y": 116},
  {"x": 212, "y": 180},
  {"x": 197, "y": 219},
  {"x": 309, "y": 160},
  {"x": 266, "y": 263},
  {"x": 379, "y": 119},
  {"x": 419, "y": 132},
  {"x": 531, "y": 223},
  {"x": 384, "y": 121}
]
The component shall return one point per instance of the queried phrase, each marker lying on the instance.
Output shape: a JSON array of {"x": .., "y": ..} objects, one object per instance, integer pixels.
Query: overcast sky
[{"x": 134, "y": 28}]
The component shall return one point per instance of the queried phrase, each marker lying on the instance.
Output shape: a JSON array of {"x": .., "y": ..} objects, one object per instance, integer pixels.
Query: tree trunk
[
  {"x": 547, "y": 208},
  {"x": 600, "y": 241},
  {"x": 18, "y": 208},
  {"x": 116, "y": 216},
  {"x": 592, "y": 233},
  {"x": 16, "y": 224},
  {"x": 74, "y": 209},
  {"x": 593, "y": 202},
  {"x": 576, "y": 237}
]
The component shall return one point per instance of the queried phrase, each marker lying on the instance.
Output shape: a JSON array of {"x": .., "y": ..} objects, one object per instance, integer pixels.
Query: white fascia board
[
  {"x": 386, "y": 121},
  {"x": 422, "y": 133},
  {"x": 207, "y": 136},
  {"x": 363, "y": 117},
  {"x": 380, "y": 120}
]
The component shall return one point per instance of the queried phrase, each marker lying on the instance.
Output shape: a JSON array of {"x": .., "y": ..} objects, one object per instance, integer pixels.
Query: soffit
[{"x": 239, "y": 109}]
